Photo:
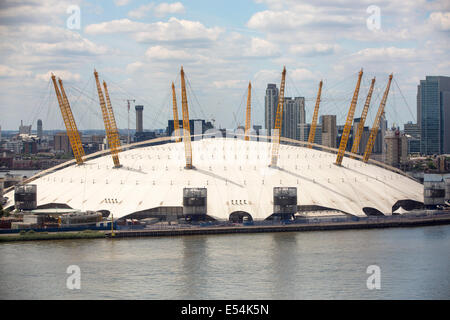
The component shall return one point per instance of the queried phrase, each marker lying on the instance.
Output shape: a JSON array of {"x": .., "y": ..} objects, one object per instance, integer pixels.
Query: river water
[{"x": 414, "y": 264}]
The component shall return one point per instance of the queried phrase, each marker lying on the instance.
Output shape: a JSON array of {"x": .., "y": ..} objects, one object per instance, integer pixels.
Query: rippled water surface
[{"x": 414, "y": 263}]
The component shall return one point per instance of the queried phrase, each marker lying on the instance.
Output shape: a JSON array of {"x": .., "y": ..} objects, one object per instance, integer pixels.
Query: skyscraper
[
  {"x": 293, "y": 113},
  {"x": 293, "y": 116},
  {"x": 396, "y": 148},
  {"x": 380, "y": 145},
  {"x": 39, "y": 128},
  {"x": 305, "y": 128},
  {"x": 364, "y": 136},
  {"x": 412, "y": 132},
  {"x": 61, "y": 142},
  {"x": 433, "y": 114},
  {"x": 329, "y": 130},
  {"x": 270, "y": 107}
]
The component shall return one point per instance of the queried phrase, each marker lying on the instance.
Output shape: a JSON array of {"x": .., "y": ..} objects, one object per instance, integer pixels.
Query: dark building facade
[
  {"x": 270, "y": 107},
  {"x": 62, "y": 143},
  {"x": 197, "y": 126},
  {"x": 433, "y": 114},
  {"x": 412, "y": 133}
]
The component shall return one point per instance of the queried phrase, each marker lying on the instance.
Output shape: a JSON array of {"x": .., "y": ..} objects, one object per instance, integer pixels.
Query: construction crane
[
  {"x": 186, "y": 126},
  {"x": 362, "y": 120},
  {"x": 249, "y": 111},
  {"x": 312, "y": 132},
  {"x": 75, "y": 131},
  {"x": 176, "y": 124},
  {"x": 348, "y": 122},
  {"x": 107, "y": 121},
  {"x": 376, "y": 124},
  {"x": 69, "y": 122},
  {"x": 278, "y": 121}
]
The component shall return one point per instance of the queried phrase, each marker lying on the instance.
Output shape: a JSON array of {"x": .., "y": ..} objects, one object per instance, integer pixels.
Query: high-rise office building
[
  {"x": 270, "y": 107},
  {"x": 61, "y": 142},
  {"x": 293, "y": 116},
  {"x": 293, "y": 113},
  {"x": 364, "y": 136},
  {"x": 396, "y": 148},
  {"x": 412, "y": 133},
  {"x": 329, "y": 130},
  {"x": 305, "y": 128},
  {"x": 39, "y": 128},
  {"x": 380, "y": 144},
  {"x": 433, "y": 114}
]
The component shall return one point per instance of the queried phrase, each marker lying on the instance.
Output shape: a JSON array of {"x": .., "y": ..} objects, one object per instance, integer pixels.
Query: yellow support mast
[
  {"x": 186, "y": 126},
  {"x": 376, "y": 124},
  {"x": 76, "y": 134},
  {"x": 312, "y": 132},
  {"x": 176, "y": 124},
  {"x": 348, "y": 122},
  {"x": 107, "y": 122},
  {"x": 69, "y": 121},
  {"x": 278, "y": 121},
  {"x": 362, "y": 121},
  {"x": 115, "y": 138},
  {"x": 248, "y": 114}
]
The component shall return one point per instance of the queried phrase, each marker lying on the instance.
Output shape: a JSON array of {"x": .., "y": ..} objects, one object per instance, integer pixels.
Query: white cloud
[
  {"x": 173, "y": 30},
  {"x": 313, "y": 49},
  {"x": 141, "y": 12},
  {"x": 325, "y": 21},
  {"x": 261, "y": 48},
  {"x": 16, "y": 12},
  {"x": 65, "y": 75},
  {"x": 162, "y": 53},
  {"x": 160, "y": 10},
  {"x": 115, "y": 26},
  {"x": 262, "y": 77},
  {"x": 8, "y": 72},
  {"x": 80, "y": 46},
  {"x": 300, "y": 16},
  {"x": 178, "y": 30},
  {"x": 383, "y": 54},
  {"x": 301, "y": 74},
  {"x": 134, "y": 66},
  {"x": 121, "y": 3},
  {"x": 164, "y": 9},
  {"x": 274, "y": 20},
  {"x": 229, "y": 84},
  {"x": 440, "y": 20}
]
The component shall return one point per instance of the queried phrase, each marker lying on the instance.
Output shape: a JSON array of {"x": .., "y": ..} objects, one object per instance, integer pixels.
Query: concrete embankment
[
  {"x": 32, "y": 236},
  {"x": 381, "y": 222}
]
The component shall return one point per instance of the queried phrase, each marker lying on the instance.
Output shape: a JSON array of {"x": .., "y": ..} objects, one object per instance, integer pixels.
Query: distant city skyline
[{"x": 222, "y": 46}]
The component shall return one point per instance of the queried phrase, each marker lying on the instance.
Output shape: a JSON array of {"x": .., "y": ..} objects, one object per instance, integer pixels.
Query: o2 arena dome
[
  {"x": 230, "y": 177},
  {"x": 224, "y": 178}
]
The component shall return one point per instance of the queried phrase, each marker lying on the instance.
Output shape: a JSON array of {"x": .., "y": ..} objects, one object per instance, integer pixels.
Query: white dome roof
[{"x": 230, "y": 169}]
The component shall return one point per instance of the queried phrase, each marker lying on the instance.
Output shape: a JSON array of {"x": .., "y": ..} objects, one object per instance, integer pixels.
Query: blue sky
[{"x": 139, "y": 46}]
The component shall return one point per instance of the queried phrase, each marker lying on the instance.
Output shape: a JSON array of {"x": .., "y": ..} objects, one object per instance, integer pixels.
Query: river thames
[{"x": 414, "y": 263}]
